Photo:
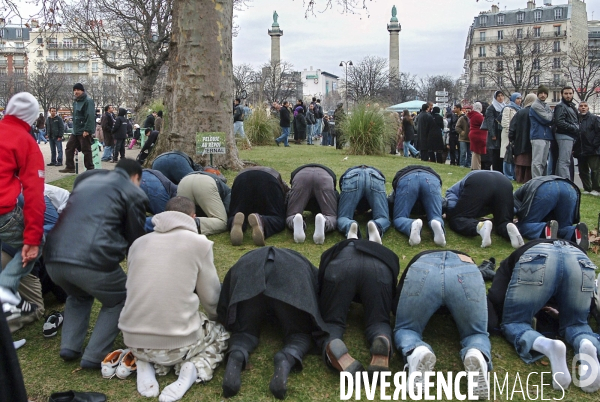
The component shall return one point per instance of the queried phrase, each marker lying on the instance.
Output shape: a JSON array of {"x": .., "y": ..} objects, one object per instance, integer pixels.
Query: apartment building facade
[{"x": 517, "y": 50}]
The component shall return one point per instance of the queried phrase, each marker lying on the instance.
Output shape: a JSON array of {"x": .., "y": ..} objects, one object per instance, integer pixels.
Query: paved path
[{"x": 52, "y": 173}]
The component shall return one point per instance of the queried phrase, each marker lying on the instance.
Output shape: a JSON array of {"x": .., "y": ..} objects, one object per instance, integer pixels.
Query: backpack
[{"x": 318, "y": 110}]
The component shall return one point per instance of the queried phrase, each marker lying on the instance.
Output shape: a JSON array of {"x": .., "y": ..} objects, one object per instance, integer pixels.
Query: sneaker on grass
[{"x": 53, "y": 322}]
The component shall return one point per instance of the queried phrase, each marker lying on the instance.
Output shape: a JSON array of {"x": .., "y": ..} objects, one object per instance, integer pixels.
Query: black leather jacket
[
  {"x": 588, "y": 141},
  {"x": 565, "y": 118},
  {"x": 103, "y": 217}
]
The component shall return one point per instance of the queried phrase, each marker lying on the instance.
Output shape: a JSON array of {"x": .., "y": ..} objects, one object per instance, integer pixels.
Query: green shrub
[
  {"x": 366, "y": 131},
  {"x": 261, "y": 128}
]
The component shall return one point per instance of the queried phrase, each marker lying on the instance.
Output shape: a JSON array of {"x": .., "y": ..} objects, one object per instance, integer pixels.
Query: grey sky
[{"x": 432, "y": 39}]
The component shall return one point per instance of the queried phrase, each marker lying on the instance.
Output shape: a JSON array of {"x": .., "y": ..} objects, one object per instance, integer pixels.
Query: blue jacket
[{"x": 541, "y": 127}]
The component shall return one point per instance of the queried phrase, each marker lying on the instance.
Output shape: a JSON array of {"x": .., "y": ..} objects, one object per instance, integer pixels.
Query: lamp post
[{"x": 346, "y": 64}]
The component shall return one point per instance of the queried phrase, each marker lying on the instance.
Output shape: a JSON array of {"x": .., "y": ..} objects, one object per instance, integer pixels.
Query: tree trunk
[
  {"x": 147, "y": 84},
  {"x": 199, "y": 87}
]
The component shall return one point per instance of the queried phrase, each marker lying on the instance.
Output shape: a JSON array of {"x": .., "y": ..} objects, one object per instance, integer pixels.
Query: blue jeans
[
  {"x": 409, "y": 148},
  {"x": 50, "y": 216},
  {"x": 108, "y": 151},
  {"x": 544, "y": 271},
  {"x": 41, "y": 136},
  {"x": 362, "y": 183},
  {"x": 454, "y": 283},
  {"x": 56, "y": 151},
  {"x": 174, "y": 166},
  {"x": 285, "y": 133},
  {"x": 239, "y": 126},
  {"x": 12, "y": 226},
  {"x": 417, "y": 186},
  {"x": 318, "y": 126},
  {"x": 309, "y": 133},
  {"x": 157, "y": 195},
  {"x": 553, "y": 200},
  {"x": 465, "y": 154},
  {"x": 325, "y": 139},
  {"x": 509, "y": 170}
]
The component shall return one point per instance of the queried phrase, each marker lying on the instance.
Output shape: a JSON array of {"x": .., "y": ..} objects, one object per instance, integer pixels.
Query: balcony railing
[
  {"x": 19, "y": 63},
  {"x": 67, "y": 45},
  {"x": 12, "y": 49},
  {"x": 526, "y": 35}
]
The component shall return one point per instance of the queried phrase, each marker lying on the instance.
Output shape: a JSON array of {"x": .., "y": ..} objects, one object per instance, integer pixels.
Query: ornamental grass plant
[{"x": 261, "y": 128}]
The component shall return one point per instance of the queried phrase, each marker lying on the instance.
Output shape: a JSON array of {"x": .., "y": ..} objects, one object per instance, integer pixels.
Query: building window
[
  {"x": 483, "y": 20},
  {"x": 556, "y": 62},
  {"x": 555, "y": 96},
  {"x": 537, "y": 15},
  {"x": 82, "y": 67},
  {"x": 40, "y": 41},
  {"x": 500, "y": 50},
  {"x": 19, "y": 33},
  {"x": 557, "y": 30},
  {"x": 520, "y": 33},
  {"x": 500, "y": 66},
  {"x": 536, "y": 47},
  {"x": 68, "y": 55},
  {"x": 40, "y": 53},
  {"x": 82, "y": 54},
  {"x": 67, "y": 42},
  {"x": 537, "y": 32},
  {"x": 52, "y": 54},
  {"x": 557, "y": 13},
  {"x": 556, "y": 46},
  {"x": 500, "y": 35},
  {"x": 19, "y": 71},
  {"x": 536, "y": 80},
  {"x": 500, "y": 80},
  {"x": 501, "y": 20},
  {"x": 482, "y": 36},
  {"x": 536, "y": 64},
  {"x": 482, "y": 82},
  {"x": 519, "y": 65},
  {"x": 481, "y": 51},
  {"x": 481, "y": 66},
  {"x": 68, "y": 67},
  {"x": 95, "y": 67},
  {"x": 19, "y": 45},
  {"x": 557, "y": 79},
  {"x": 520, "y": 18}
]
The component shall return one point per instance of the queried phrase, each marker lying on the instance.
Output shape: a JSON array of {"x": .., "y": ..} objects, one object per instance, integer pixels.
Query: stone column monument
[
  {"x": 394, "y": 29},
  {"x": 275, "y": 33}
]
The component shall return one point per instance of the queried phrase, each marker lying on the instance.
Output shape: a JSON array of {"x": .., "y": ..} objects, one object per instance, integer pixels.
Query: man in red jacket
[{"x": 21, "y": 170}]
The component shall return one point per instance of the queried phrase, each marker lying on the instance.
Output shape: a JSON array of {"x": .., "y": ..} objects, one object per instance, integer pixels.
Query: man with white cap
[{"x": 21, "y": 168}]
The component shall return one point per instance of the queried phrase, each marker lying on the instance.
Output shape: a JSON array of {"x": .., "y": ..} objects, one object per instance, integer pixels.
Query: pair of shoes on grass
[
  {"x": 237, "y": 231},
  {"x": 121, "y": 363}
]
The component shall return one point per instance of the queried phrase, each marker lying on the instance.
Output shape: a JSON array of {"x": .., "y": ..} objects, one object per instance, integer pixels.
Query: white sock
[
  {"x": 176, "y": 390},
  {"x": 146, "y": 379},
  {"x": 373, "y": 232},
  {"x": 353, "y": 231},
  {"x": 299, "y": 235},
  {"x": 556, "y": 351},
  {"x": 415, "y": 232},
  {"x": 18, "y": 344},
  {"x": 7, "y": 296},
  {"x": 485, "y": 231},
  {"x": 588, "y": 348},
  {"x": 319, "y": 236},
  {"x": 516, "y": 240},
  {"x": 438, "y": 233}
]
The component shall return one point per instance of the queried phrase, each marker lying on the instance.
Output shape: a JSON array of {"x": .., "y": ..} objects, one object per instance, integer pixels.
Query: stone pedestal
[
  {"x": 394, "y": 30},
  {"x": 275, "y": 33}
]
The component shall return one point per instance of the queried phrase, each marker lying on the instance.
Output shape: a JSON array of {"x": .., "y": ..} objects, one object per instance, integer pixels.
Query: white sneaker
[
  {"x": 474, "y": 361},
  {"x": 594, "y": 192},
  {"x": 299, "y": 235},
  {"x": 373, "y": 232},
  {"x": 485, "y": 231},
  {"x": 420, "y": 360},
  {"x": 516, "y": 240},
  {"x": 319, "y": 236},
  {"x": 353, "y": 231},
  {"x": 415, "y": 232}
]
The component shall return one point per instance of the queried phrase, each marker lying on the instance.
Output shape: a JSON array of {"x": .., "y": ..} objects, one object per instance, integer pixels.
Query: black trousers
[
  {"x": 119, "y": 149},
  {"x": 483, "y": 193},
  {"x": 350, "y": 274},
  {"x": 12, "y": 387},
  {"x": 497, "y": 161},
  {"x": 454, "y": 149},
  {"x": 295, "y": 324},
  {"x": 258, "y": 192},
  {"x": 83, "y": 145}
]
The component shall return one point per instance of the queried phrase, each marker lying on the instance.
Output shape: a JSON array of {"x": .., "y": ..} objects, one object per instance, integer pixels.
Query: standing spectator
[
  {"x": 453, "y": 138},
  {"x": 158, "y": 122},
  {"x": 436, "y": 137},
  {"x": 424, "y": 121},
  {"x": 299, "y": 122},
  {"x": 238, "y": 118},
  {"x": 508, "y": 113},
  {"x": 310, "y": 124},
  {"x": 21, "y": 170},
  {"x": 84, "y": 259},
  {"x": 40, "y": 124},
  {"x": 107, "y": 122},
  {"x": 84, "y": 125},
  {"x": 408, "y": 128},
  {"x": 150, "y": 121},
  {"x": 319, "y": 117},
  {"x": 55, "y": 129},
  {"x": 477, "y": 136},
  {"x": 567, "y": 131},
  {"x": 589, "y": 149},
  {"x": 462, "y": 128},
  {"x": 493, "y": 117},
  {"x": 338, "y": 118},
  {"x": 284, "y": 123},
  {"x": 540, "y": 116},
  {"x": 326, "y": 139},
  {"x": 119, "y": 133},
  {"x": 518, "y": 135}
]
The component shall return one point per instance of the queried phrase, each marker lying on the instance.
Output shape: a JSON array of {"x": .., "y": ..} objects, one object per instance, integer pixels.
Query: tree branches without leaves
[
  {"x": 583, "y": 71},
  {"x": 279, "y": 82},
  {"x": 48, "y": 85},
  {"x": 368, "y": 79}
]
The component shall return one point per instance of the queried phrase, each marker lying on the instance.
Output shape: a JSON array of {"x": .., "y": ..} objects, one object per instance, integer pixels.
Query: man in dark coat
[
  {"x": 84, "y": 125},
  {"x": 55, "y": 129},
  {"x": 270, "y": 282},
  {"x": 107, "y": 122},
  {"x": 588, "y": 149},
  {"x": 567, "y": 131},
  {"x": 368, "y": 270},
  {"x": 103, "y": 217},
  {"x": 424, "y": 126}
]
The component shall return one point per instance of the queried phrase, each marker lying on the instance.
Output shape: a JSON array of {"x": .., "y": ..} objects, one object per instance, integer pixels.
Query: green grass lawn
[{"x": 45, "y": 372}]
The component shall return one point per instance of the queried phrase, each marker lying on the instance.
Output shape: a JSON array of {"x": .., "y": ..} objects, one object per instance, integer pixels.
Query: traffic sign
[
  {"x": 442, "y": 105},
  {"x": 441, "y": 93},
  {"x": 441, "y": 99}
]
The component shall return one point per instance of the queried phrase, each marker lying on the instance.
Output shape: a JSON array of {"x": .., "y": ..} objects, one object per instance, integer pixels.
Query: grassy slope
[{"x": 45, "y": 372}]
